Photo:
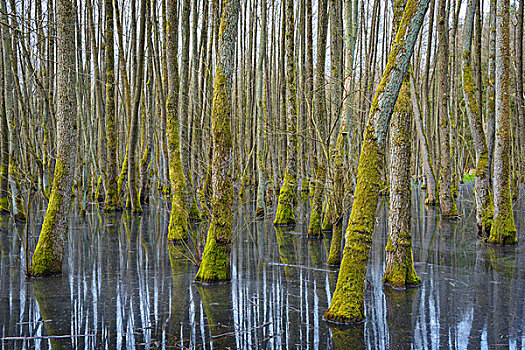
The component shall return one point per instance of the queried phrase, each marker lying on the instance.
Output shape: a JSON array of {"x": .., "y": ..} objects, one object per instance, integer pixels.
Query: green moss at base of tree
[
  {"x": 314, "y": 228},
  {"x": 285, "y": 210},
  {"x": 503, "y": 231},
  {"x": 215, "y": 264}
]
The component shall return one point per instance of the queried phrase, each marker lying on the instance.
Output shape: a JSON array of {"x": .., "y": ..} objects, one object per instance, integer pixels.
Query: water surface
[{"x": 124, "y": 287}]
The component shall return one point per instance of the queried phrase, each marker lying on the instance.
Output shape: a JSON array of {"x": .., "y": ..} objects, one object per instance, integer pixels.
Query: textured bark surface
[
  {"x": 285, "y": 205},
  {"x": 446, "y": 200},
  {"x": 484, "y": 211},
  {"x": 431, "y": 196},
  {"x": 47, "y": 258},
  {"x": 112, "y": 201},
  {"x": 503, "y": 231},
  {"x": 347, "y": 305},
  {"x": 261, "y": 177},
  {"x": 133, "y": 154},
  {"x": 215, "y": 265},
  {"x": 319, "y": 121},
  {"x": 399, "y": 269},
  {"x": 4, "y": 134},
  {"x": 177, "y": 229}
]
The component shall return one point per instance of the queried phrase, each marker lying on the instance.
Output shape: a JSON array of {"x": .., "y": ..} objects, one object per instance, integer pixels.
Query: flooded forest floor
[{"x": 124, "y": 287}]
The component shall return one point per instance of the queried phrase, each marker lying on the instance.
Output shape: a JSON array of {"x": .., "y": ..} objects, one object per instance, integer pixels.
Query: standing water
[{"x": 124, "y": 287}]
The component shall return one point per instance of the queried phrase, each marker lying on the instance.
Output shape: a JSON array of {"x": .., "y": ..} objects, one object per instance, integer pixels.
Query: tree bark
[
  {"x": 285, "y": 205},
  {"x": 47, "y": 258},
  {"x": 446, "y": 200},
  {"x": 503, "y": 230},
  {"x": 215, "y": 265}
]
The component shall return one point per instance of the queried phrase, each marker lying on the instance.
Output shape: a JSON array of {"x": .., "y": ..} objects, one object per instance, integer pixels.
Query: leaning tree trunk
[
  {"x": 347, "y": 304},
  {"x": 47, "y": 259},
  {"x": 285, "y": 205},
  {"x": 399, "y": 269},
  {"x": 482, "y": 181},
  {"x": 446, "y": 200},
  {"x": 4, "y": 136},
  {"x": 503, "y": 231},
  {"x": 179, "y": 215},
  {"x": 215, "y": 265}
]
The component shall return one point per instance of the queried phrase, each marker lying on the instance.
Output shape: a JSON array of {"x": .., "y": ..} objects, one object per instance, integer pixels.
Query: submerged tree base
[
  {"x": 285, "y": 211},
  {"x": 215, "y": 265}
]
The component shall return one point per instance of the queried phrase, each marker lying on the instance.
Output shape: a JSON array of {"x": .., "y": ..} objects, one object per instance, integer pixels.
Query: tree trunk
[
  {"x": 319, "y": 121},
  {"x": 261, "y": 188},
  {"x": 112, "y": 201},
  {"x": 399, "y": 269},
  {"x": 133, "y": 154},
  {"x": 347, "y": 304},
  {"x": 177, "y": 229},
  {"x": 446, "y": 200},
  {"x": 47, "y": 259},
  {"x": 503, "y": 231},
  {"x": 482, "y": 181},
  {"x": 215, "y": 265},
  {"x": 285, "y": 205}
]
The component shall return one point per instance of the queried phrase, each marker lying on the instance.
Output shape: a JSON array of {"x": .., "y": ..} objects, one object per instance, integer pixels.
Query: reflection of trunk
[
  {"x": 179, "y": 301},
  {"x": 286, "y": 251},
  {"x": 218, "y": 308},
  {"x": 503, "y": 231},
  {"x": 57, "y": 315},
  {"x": 352, "y": 337},
  {"x": 400, "y": 326},
  {"x": 347, "y": 305}
]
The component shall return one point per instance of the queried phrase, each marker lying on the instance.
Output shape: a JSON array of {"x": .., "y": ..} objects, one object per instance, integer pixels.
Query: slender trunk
[
  {"x": 446, "y": 200},
  {"x": 319, "y": 121},
  {"x": 261, "y": 188},
  {"x": 285, "y": 205},
  {"x": 215, "y": 265},
  {"x": 47, "y": 258},
  {"x": 112, "y": 201},
  {"x": 482, "y": 181},
  {"x": 503, "y": 230},
  {"x": 133, "y": 153}
]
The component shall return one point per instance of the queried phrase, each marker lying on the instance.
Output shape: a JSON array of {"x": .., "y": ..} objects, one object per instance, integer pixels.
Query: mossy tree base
[
  {"x": 285, "y": 207},
  {"x": 215, "y": 265},
  {"x": 178, "y": 227},
  {"x": 504, "y": 230}
]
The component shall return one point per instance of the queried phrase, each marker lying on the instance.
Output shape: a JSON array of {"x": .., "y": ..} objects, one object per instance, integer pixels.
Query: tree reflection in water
[{"x": 125, "y": 287}]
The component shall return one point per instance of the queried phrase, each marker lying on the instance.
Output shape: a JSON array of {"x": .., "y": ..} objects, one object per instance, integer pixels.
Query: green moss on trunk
[{"x": 285, "y": 209}]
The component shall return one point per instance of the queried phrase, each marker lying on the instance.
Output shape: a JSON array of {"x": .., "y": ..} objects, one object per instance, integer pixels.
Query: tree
[
  {"x": 177, "y": 229},
  {"x": 285, "y": 206},
  {"x": 446, "y": 200},
  {"x": 399, "y": 269},
  {"x": 47, "y": 258},
  {"x": 112, "y": 201},
  {"x": 215, "y": 265},
  {"x": 503, "y": 230},
  {"x": 347, "y": 305}
]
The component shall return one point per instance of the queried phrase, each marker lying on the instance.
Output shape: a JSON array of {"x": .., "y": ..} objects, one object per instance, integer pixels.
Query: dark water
[{"x": 124, "y": 287}]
